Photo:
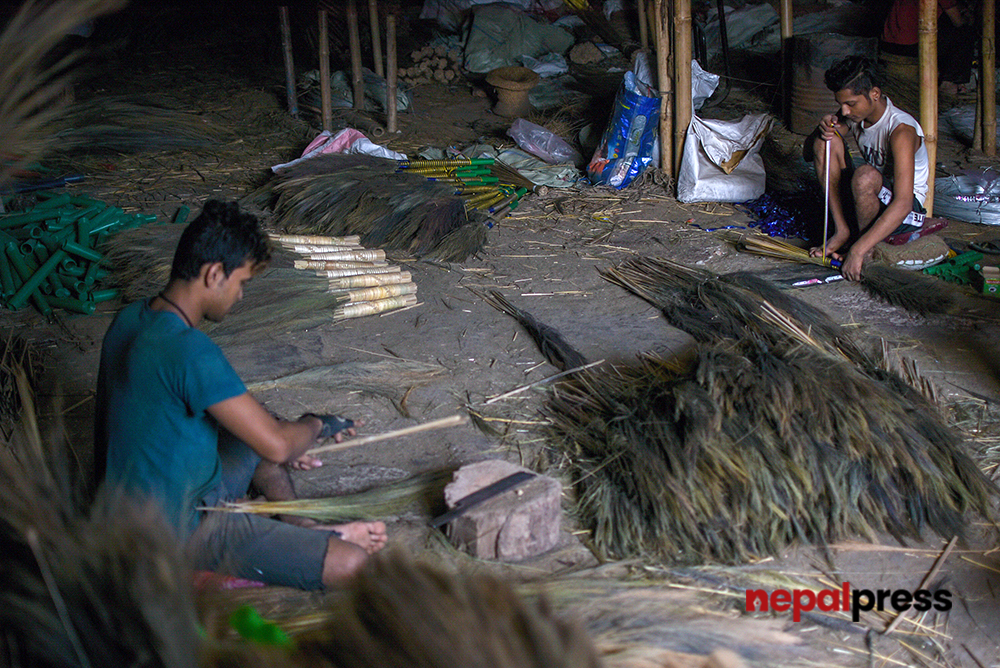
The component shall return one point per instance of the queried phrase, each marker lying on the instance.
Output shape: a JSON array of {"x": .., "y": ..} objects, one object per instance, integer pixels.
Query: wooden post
[
  {"x": 640, "y": 6},
  {"x": 786, "y": 60},
  {"x": 682, "y": 77},
  {"x": 286, "y": 42},
  {"x": 927, "y": 53},
  {"x": 376, "y": 40},
  {"x": 326, "y": 104},
  {"x": 987, "y": 82},
  {"x": 662, "y": 38},
  {"x": 391, "y": 71},
  {"x": 357, "y": 79}
]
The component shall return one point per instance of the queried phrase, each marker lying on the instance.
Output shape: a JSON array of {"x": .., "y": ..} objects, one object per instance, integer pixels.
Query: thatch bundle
[
  {"x": 779, "y": 429},
  {"x": 340, "y": 195},
  {"x": 32, "y": 87},
  {"x": 104, "y": 585},
  {"x": 400, "y": 613}
]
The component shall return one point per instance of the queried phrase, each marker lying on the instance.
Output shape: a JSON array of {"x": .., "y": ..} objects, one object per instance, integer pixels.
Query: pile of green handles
[{"x": 49, "y": 253}]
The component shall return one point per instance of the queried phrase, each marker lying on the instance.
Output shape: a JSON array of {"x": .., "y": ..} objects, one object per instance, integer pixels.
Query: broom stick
[
  {"x": 826, "y": 202},
  {"x": 443, "y": 423}
]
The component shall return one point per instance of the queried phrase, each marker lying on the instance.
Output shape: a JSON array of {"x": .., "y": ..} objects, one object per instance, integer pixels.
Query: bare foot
[{"x": 370, "y": 536}]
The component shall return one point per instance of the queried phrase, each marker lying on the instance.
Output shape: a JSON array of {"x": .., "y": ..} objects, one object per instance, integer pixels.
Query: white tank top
[{"x": 875, "y": 149}]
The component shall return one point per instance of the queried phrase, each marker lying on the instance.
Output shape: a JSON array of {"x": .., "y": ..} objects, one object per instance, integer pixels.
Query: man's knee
[
  {"x": 866, "y": 179},
  {"x": 342, "y": 560}
]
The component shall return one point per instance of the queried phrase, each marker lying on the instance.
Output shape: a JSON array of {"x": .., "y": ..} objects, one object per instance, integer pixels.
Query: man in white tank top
[{"x": 889, "y": 190}]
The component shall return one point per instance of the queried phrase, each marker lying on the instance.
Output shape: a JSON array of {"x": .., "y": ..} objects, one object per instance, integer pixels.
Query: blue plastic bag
[{"x": 626, "y": 149}]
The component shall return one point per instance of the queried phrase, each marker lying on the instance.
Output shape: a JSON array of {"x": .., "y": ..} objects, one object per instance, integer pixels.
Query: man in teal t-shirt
[{"x": 176, "y": 425}]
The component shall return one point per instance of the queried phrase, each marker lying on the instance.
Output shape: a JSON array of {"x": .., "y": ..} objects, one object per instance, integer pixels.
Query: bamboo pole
[
  {"x": 643, "y": 31},
  {"x": 682, "y": 77},
  {"x": 927, "y": 53},
  {"x": 988, "y": 82},
  {"x": 392, "y": 73},
  {"x": 357, "y": 79},
  {"x": 286, "y": 43},
  {"x": 786, "y": 59},
  {"x": 326, "y": 104},
  {"x": 450, "y": 421},
  {"x": 662, "y": 39},
  {"x": 376, "y": 40}
]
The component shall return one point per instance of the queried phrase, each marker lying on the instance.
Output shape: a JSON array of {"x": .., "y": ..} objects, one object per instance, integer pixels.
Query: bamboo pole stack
[{"x": 367, "y": 283}]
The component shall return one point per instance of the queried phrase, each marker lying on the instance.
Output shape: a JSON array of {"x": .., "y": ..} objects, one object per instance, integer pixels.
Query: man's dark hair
[
  {"x": 858, "y": 73},
  {"x": 220, "y": 233}
]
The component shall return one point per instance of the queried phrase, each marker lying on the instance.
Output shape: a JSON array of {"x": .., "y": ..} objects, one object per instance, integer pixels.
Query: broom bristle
[
  {"x": 337, "y": 195},
  {"x": 33, "y": 92},
  {"x": 778, "y": 431}
]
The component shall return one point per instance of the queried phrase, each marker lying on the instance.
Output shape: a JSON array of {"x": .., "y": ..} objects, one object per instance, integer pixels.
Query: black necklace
[{"x": 179, "y": 309}]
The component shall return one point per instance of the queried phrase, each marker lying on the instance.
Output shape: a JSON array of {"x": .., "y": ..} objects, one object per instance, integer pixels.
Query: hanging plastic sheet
[{"x": 972, "y": 196}]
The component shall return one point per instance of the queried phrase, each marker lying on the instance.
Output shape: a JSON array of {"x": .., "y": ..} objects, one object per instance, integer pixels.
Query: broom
[
  {"x": 551, "y": 343},
  {"x": 910, "y": 290}
]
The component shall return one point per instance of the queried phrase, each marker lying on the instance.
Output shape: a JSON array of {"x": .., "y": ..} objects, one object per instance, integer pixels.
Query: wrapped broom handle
[{"x": 450, "y": 421}]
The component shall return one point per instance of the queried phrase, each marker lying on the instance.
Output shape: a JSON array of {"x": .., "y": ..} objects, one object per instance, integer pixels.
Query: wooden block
[{"x": 517, "y": 524}]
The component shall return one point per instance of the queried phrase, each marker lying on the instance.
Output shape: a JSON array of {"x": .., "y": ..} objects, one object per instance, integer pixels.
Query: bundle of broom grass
[
  {"x": 778, "y": 430},
  {"x": 910, "y": 290},
  {"x": 84, "y": 584},
  {"x": 342, "y": 195},
  {"x": 32, "y": 88},
  {"x": 400, "y": 612},
  {"x": 360, "y": 279}
]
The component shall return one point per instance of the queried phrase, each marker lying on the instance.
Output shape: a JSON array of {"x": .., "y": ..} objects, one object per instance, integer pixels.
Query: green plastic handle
[{"x": 250, "y": 625}]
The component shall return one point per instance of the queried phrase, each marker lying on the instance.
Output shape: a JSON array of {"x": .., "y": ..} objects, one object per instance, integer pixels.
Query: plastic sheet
[{"x": 972, "y": 196}]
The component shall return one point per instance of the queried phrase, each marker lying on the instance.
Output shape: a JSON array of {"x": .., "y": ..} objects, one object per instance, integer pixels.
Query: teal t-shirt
[{"x": 157, "y": 378}]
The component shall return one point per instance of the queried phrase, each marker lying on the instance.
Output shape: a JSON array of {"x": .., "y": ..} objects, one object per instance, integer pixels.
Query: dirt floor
[{"x": 546, "y": 258}]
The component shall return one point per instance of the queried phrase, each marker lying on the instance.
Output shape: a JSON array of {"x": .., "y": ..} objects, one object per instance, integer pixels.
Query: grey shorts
[{"x": 250, "y": 546}]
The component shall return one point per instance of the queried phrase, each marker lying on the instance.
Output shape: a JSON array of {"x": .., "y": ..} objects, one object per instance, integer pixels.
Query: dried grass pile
[
  {"x": 400, "y": 613},
  {"x": 131, "y": 124},
  {"x": 101, "y": 584},
  {"x": 779, "y": 429},
  {"x": 343, "y": 195},
  {"x": 18, "y": 365},
  {"x": 33, "y": 87}
]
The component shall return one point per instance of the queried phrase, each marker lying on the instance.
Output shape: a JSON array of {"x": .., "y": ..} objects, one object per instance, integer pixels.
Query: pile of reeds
[
  {"x": 344, "y": 195},
  {"x": 35, "y": 89},
  {"x": 430, "y": 209},
  {"x": 779, "y": 429},
  {"x": 130, "y": 124},
  {"x": 400, "y": 612},
  {"x": 85, "y": 584},
  {"x": 139, "y": 259},
  {"x": 361, "y": 279}
]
